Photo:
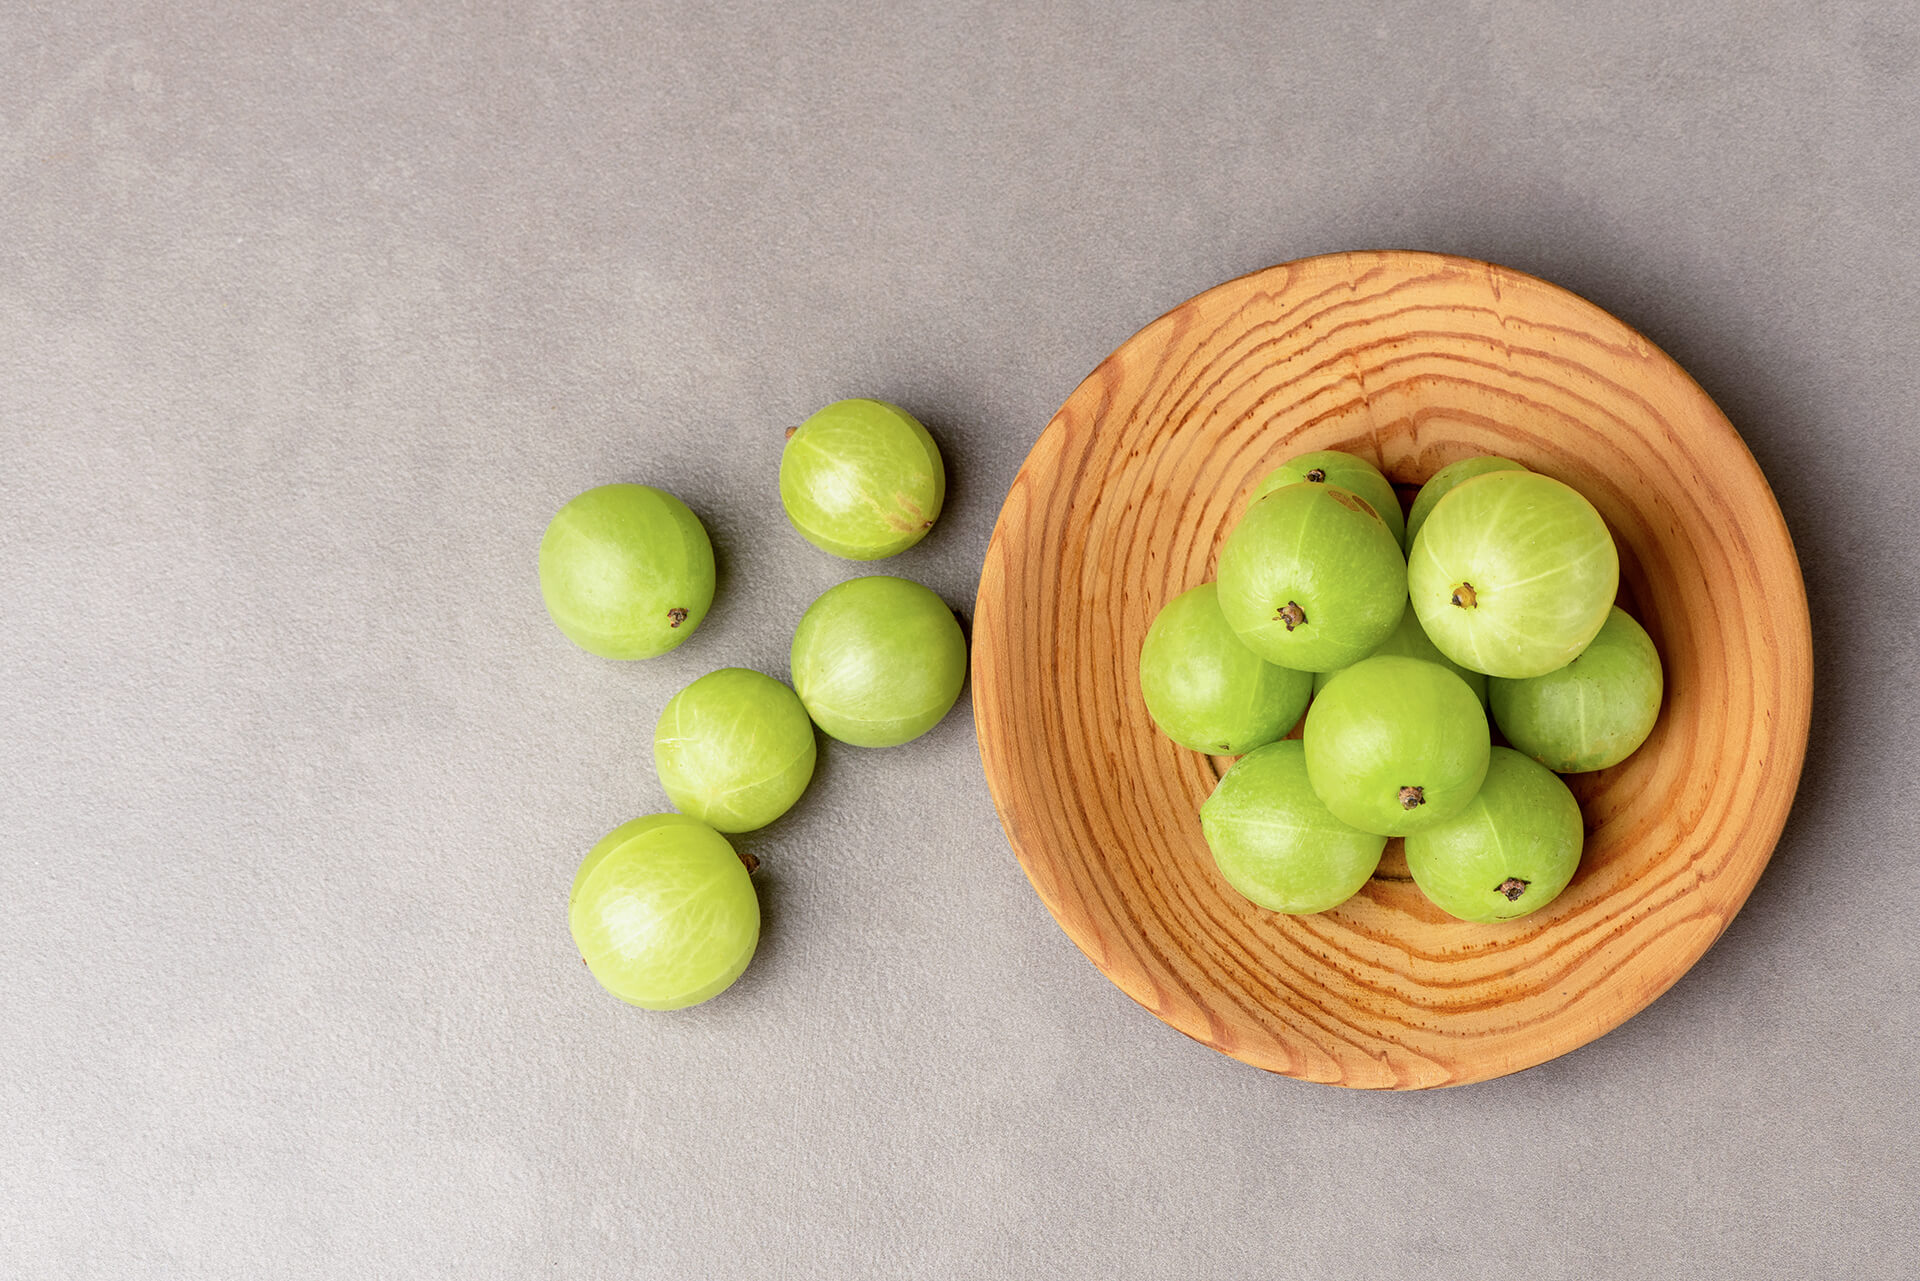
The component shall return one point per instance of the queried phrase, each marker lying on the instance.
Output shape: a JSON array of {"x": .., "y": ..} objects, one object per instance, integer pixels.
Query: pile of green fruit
[
  {"x": 663, "y": 910},
  {"x": 1396, "y": 636}
]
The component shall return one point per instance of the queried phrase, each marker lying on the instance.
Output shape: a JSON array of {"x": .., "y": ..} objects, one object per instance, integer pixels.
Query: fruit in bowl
[
  {"x": 1396, "y": 742},
  {"x": 1207, "y": 691},
  {"x": 1409, "y": 640},
  {"x": 1311, "y": 578},
  {"x": 1343, "y": 471},
  {"x": 1444, "y": 481},
  {"x": 1277, "y": 843},
  {"x": 1509, "y": 852},
  {"x": 1394, "y": 745},
  {"x": 1592, "y": 713},
  {"x": 1513, "y": 574}
]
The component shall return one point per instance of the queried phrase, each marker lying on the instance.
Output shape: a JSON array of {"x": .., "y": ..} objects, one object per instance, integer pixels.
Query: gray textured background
[{"x": 311, "y": 316}]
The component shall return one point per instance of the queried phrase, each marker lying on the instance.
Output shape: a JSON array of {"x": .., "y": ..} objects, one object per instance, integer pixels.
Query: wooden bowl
[{"x": 1412, "y": 361}]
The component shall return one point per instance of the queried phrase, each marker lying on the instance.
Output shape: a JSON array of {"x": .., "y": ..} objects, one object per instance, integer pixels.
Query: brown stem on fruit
[
  {"x": 751, "y": 863},
  {"x": 675, "y": 617},
  {"x": 1412, "y": 797},
  {"x": 1513, "y": 887},
  {"x": 1463, "y": 596},
  {"x": 790, "y": 432},
  {"x": 1317, "y": 476},
  {"x": 1292, "y": 615}
]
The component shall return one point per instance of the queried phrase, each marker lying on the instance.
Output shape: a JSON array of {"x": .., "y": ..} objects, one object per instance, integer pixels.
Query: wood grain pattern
[{"x": 1413, "y": 361}]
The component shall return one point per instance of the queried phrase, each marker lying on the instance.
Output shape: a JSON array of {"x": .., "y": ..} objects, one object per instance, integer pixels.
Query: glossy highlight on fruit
[
  {"x": 1276, "y": 843},
  {"x": 1344, "y": 471},
  {"x": 1409, "y": 640},
  {"x": 1207, "y": 691},
  {"x": 1311, "y": 578},
  {"x": 862, "y": 479},
  {"x": 1513, "y": 574},
  {"x": 626, "y": 571},
  {"x": 1394, "y": 745},
  {"x": 734, "y": 749},
  {"x": 1443, "y": 482},
  {"x": 664, "y": 912},
  {"x": 1509, "y": 852},
  {"x": 1592, "y": 713},
  {"x": 878, "y": 661}
]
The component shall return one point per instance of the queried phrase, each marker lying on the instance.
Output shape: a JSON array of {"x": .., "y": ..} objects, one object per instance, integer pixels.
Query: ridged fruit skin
[
  {"x": 1311, "y": 578},
  {"x": 862, "y": 479},
  {"x": 1523, "y": 830},
  {"x": 1207, "y": 691},
  {"x": 626, "y": 571}
]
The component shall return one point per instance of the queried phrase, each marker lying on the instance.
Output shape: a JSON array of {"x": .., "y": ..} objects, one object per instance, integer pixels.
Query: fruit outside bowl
[{"x": 1412, "y": 361}]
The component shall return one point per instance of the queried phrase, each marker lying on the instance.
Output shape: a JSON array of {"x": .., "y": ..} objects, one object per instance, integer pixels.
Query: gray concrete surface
[{"x": 310, "y": 317}]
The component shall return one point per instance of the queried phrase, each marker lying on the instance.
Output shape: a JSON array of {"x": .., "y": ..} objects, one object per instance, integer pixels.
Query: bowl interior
[{"x": 1412, "y": 361}]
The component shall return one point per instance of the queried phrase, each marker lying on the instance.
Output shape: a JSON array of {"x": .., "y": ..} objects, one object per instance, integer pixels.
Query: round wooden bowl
[{"x": 1412, "y": 361}]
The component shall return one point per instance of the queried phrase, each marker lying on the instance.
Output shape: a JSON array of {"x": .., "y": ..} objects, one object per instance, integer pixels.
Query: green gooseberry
[
  {"x": 1207, "y": 691},
  {"x": 626, "y": 571},
  {"x": 1276, "y": 843},
  {"x": 878, "y": 661},
  {"x": 1592, "y": 713},
  {"x": 1513, "y": 574},
  {"x": 1395, "y": 744},
  {"x": 734, "y": 749},
  {"x": 664, "y": 912},
  {"x": 1410, "y": 641},
  {"x": 1346, "y": 471},
  {"x": 862, "y": 479},
  {"x": 1509, "y": 852},
  {"x": 1442, "y": 482},
  {"x": 1311, "y": 578}
]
